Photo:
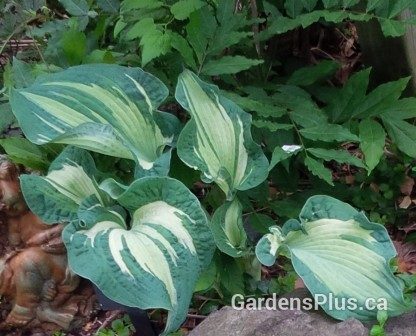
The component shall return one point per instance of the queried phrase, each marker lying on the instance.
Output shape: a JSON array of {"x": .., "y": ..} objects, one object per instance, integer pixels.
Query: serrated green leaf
[
  {"x": 399, "y": 6},
  {"x": 140, "y": 28},
  {"x": 6, "y": 117},
  {"x": 372, "y": 142},
  {"x": 22, "y": 74},
  {"x": 76, "y": 7},
  {"x": 261, "y": 106},
  {"x": 229, "y": 65},
  {"x": 380, "y": 99},
  {"x": 109, "y": 6},
  {"x": 154, "y": 44},
  {"x": 217, "y": 140},
  {"x": 293, "y": 7},
  {"x": 342, "y": 104},
  {"x": 328, "y": 133},
  {"x": 373, "y": 4},
  {"x": 308, "y": 75},
  {"x": 402, "y": 109},
  {"x": 200, "y": 31},
  {"x": 181, "y": 44},
  {"x": 271, "y": 125},
  {"x": 330, "y": 3},
  {"x": 318, "y": 169},
  {"x": 349, "y": 3},
  {"x": 183, "y": 8},
  {"x": 22, "y": 151},
  {"x": 403, "y": 135},
  {"x": 128, "y": 5},
  {"x": 309, "y": 5},
  {"x": 392, "y": 27},
  {"x": 74, "y": 46},
  {"x": 341, "y": 156},
  {"x": 282, "y": 153}
]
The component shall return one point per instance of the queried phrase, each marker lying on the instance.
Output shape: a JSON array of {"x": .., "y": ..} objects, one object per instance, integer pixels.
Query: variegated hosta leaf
[
  {"x": 268, "y": 246},
  {"x": 227, "y": 229},
  {"x": 337, "y": 251},
  {"x": 154, "y": 263},
  {"x": 105, "y": 108},
  {"x": 56, "y": 197},
  {"x": 217, "y": 140}
]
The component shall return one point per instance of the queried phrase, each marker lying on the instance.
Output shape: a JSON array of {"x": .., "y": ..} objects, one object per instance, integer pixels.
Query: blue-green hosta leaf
[
  {"x": 227, "y": 229},
  {"x": 217, "y": 140},
  {"x": 268, "y": 245},
  {"x": 336, "y": 249},
  {"x": 105, "y": 108},
  {"x": 155, "y": 263},
  {"x": 55, "y": 198}
]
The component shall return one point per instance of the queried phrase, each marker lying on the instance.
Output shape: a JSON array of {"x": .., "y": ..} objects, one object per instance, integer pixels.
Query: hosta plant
[{"x": 144, "y": 242}]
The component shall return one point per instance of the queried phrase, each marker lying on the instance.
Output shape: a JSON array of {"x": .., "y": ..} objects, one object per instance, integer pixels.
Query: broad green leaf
[
  {"x": 372, "y": 142},
  {"x": 6, "y": 117},
  {"x": 104, "y": 108},
  {"x": 282, "y": 153},
  {"x": 349, "y": 3},
  {"x": 402, "y": 109},
  {"x": 380, "y": 99},
  {"x": 183, "y": 8},
  {"x": 229, "y": 65},
  {"x": 22, "y": 151},
  {"x": 56, "y": 197},
  {"x": 200, "y": 32},
  {"x": 128, "y": 5},
  {"x": 217, "y": 140},
  {"x": 341, "y": 156},
  {"x": 110, "y": 6},
  {"x": 392, "y": 28},
  {"x": 74, "y": 46},
  {"x": 373, "y": 4},
  {"x": 399, "y": 6},
  {"x": 262, "y": 107},
  {"x": 154, "y": 44},
  {"x": 293, "y": 7},
  {"x": 309, "y": 5},
  {"x": 227, "y": 229},
  {"x": 181, "y": 44},
  {"x": 155, "y": 263},
  {"x": 403, "y": 135},
  {"x": 336, "y": 250},
  {"x": 76, "y": 7},
  {"x": 342, "y": 104},
  {"x": 328, "y": 133},
  {"x": 22, "y": 74},
  {"x": 308, "y": 75},
  {"x": 140, "y": 28},
  {"x": 318, "y": 169},
  {"x": 271, "y": 125},
  {"x": 330, "y": 3}
]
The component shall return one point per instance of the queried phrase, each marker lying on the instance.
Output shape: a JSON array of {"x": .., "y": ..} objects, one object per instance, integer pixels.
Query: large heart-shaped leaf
[
  {"x": 105, "y": 108},
  {"x": 155, "y": 261},
  {"x": 338, "y": 252},
  {"x": 56, "y": 197},
  {"x": 217, "y": 140}
]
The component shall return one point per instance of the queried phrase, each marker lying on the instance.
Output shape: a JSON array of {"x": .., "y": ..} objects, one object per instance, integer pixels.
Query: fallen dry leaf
[
  {"x": 407, "y": 186},
  {"x": 405, "y": 203}
]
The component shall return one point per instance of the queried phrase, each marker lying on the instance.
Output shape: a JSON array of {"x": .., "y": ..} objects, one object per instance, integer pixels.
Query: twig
[{"x": 108, "y": 320}]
